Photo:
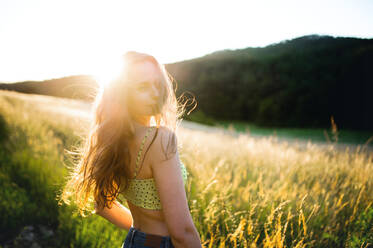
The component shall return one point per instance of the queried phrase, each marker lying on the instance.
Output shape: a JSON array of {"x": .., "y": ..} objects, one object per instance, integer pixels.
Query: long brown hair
[{"x": 102, "y": 169}]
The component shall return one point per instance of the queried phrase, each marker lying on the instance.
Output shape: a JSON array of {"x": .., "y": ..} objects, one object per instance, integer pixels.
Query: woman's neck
[{"x": 141, "y": 120}]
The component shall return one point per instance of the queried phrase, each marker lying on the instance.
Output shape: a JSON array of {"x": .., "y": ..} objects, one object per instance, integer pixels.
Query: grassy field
[{"x": 242, "y": 191}]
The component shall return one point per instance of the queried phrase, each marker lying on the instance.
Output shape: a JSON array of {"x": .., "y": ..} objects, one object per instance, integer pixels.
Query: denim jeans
[{"x": 136, "y": 239}]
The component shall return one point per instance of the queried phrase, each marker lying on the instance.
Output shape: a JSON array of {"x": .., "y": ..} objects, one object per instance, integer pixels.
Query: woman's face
[{"x": 145, "y": 87}]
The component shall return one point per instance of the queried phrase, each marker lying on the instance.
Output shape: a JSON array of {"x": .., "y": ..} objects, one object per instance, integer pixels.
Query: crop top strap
[{"x": 141, "y": 147}]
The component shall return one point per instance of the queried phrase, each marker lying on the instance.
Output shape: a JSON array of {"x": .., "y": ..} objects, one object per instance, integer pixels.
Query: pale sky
[{"x": 44, "y": 39}]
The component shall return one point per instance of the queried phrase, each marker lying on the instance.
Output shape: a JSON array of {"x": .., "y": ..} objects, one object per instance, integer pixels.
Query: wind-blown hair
[{"x": 102, "y": 168}]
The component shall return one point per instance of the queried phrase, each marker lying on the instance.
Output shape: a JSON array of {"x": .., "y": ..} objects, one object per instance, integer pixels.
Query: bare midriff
[{"x": 148, "y": 221}]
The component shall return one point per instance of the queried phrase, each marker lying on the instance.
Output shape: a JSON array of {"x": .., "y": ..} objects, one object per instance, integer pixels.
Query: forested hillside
[{"x": 300, "y": 82}]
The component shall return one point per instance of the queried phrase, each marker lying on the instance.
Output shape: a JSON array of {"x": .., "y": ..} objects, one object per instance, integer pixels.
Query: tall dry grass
[
  {"x": 249, "y": 192},
  {"x": 242, "y": 191}
]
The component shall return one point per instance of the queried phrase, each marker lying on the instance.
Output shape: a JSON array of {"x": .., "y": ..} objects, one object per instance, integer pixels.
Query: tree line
[{"x": 302, "y": 82}]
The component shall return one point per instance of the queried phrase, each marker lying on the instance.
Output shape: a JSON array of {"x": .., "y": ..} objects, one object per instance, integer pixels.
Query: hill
[
  {"x": 303, "y": 82},
  {"x": 295, "y": 83},
  {"x": 75, "y": 87}
]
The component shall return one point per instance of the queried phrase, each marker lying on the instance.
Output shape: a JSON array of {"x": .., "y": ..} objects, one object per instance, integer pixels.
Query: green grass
[
  {"x": 242, "y": 191},
  {"x": 32, "y": 173}
]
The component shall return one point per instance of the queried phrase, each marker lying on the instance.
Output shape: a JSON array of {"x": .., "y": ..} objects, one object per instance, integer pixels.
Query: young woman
[{"x": 131, "y": 154}]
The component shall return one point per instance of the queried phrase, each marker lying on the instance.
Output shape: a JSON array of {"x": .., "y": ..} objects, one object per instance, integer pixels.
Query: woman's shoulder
[{"x": 164, "y": 146}]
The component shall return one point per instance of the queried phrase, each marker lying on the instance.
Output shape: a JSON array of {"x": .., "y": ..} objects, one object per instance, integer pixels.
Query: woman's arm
[
  {"x": 119, "y": 215},
  {"x": 169, "y": 182}
]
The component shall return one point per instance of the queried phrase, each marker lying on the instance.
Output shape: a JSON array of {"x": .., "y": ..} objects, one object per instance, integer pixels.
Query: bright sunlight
[{"x": 107, "y": 69}]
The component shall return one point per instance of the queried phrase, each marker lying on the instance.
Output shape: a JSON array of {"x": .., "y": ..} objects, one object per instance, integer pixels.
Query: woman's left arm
[{"x": 118, "y": 214}]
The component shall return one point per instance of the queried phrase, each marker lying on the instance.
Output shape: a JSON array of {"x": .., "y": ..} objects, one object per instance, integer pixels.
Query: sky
[{"x": 45, "y": 39}]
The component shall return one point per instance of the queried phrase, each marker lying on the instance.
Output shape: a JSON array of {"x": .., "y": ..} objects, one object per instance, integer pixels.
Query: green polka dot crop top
[{"x": 143, "y": 192}]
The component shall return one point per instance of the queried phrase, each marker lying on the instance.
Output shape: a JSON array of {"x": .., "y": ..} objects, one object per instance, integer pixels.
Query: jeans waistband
[{"x": 150, "y": 238}]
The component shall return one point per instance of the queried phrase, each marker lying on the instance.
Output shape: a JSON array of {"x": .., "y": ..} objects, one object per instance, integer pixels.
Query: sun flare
[{"x": 107, "y": 70}]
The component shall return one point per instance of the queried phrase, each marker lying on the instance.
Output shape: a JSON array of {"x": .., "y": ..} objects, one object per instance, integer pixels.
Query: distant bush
[{"x": 3, "y": 129}]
